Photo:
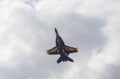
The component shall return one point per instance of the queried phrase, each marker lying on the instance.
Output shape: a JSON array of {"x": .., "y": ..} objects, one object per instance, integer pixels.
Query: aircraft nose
[{"x": 56, "y": 32}]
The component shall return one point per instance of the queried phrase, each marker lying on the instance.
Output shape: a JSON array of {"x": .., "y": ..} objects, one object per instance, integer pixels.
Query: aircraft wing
[
  {"x": 71, "y": 49},
  {"x": 52, "y": 51}
]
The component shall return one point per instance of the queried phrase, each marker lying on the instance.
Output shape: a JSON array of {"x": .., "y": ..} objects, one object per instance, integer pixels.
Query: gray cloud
[{"x": 112, "y": 71}]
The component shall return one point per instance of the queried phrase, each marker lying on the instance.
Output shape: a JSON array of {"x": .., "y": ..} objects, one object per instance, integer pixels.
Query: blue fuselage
[{"x": 61, "y": 47}]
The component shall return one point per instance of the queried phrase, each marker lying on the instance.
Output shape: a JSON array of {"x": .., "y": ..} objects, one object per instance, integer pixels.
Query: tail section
[{"x": 64, "y": 59}]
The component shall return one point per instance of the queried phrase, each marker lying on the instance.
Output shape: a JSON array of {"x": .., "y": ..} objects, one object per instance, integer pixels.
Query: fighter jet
[{"x": 62, "y": 49}]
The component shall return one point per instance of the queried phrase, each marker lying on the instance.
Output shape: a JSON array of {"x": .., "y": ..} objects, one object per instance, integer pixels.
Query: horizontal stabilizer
[
  {"x": 69, "y": 59},
  {"x": 59, "y": 60}
]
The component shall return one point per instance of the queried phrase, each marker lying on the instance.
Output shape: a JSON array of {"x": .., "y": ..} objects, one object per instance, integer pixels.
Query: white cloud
[{"x": 26, "y": 32}]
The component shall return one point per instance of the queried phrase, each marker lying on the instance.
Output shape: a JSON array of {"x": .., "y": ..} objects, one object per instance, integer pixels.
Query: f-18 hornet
[{"x": 62, "y": 49}]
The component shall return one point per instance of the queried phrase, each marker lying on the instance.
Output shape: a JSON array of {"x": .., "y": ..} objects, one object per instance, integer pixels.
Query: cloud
[{"x": 26, "y": 32}]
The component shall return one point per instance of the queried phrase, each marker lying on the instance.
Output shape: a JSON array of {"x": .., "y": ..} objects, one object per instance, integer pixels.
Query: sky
[{"x": 27, "y": 31}]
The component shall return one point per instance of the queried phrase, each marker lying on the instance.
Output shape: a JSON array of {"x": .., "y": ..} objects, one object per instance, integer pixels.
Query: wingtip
[
  {"x": 47, "y": 51},
  {"x": 76, "y": 49}
]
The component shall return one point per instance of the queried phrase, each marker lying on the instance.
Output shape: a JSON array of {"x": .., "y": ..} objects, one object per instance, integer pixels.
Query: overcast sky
[{"x": 27, "y": 31}]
